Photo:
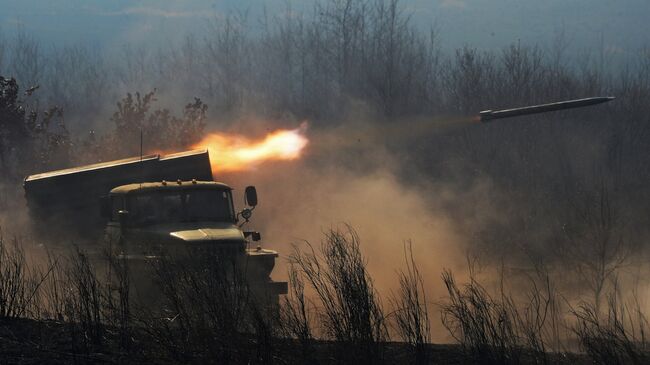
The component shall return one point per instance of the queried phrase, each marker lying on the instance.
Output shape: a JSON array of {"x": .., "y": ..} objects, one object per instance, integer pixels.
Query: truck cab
[
  {"x": 182, "y": 218},
  {"x": 172, "y": 214}
]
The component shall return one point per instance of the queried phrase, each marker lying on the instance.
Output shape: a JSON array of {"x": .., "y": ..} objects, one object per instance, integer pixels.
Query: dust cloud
[{"x": 349, "y": 177}]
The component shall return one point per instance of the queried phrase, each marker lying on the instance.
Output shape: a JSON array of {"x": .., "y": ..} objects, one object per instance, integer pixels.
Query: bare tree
[
  {"x": 596, "y": 245},
  {"x": 228, "y": 48},
  {"x": 3, "y": 54},
  {"x": 26, "y": 59}
]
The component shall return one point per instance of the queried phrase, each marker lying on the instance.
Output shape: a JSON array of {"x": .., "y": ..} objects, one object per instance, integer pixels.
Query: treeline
[
  {"x": 34, "y": 141},
  {"x": 565, "y": 188},
  {"x": 315, "y": 65}
]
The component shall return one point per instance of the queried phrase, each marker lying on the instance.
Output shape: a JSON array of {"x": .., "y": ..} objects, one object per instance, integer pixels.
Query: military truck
[{"x": 150, "y": 206}]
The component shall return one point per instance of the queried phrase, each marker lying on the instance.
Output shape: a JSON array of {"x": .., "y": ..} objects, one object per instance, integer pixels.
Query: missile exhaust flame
[{"x": 230, "y": 152}]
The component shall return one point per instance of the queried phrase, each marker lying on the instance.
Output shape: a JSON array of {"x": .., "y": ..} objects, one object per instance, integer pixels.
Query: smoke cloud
[{"x": 349, "y": 176}]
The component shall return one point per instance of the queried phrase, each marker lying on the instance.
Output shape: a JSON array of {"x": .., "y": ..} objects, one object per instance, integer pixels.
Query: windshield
[{"x": 181, "y": 206}]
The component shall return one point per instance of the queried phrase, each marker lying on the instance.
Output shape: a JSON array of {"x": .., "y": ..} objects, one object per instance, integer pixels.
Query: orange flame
[{"x": 229, "y": 152}]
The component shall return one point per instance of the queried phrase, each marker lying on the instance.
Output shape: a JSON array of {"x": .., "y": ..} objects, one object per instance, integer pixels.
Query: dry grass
[
  {"x": 297, "y": 317},
  {"x": 206, "y": 313},
  {"x": 411, "y": 313},
  {"x": 350, "y": 311},
  {"x": 614, "y": 337},
  {"x": 19, "y": 283},
  {"x": 499, "y": 329}
]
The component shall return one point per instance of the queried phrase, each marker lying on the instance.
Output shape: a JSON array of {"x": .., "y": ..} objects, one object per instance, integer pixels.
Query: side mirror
[{"x": 251, "y": 196}]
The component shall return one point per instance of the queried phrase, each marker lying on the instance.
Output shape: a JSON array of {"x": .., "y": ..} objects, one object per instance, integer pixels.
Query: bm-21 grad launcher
[{"x": 148, "y": 208}]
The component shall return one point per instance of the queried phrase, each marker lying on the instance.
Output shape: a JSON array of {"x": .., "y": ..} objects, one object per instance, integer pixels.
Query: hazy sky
[{"x": 621, "y": 24}]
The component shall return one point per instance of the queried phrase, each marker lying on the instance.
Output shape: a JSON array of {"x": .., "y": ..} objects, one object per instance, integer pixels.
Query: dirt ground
[{"x": 24, "y": 341}]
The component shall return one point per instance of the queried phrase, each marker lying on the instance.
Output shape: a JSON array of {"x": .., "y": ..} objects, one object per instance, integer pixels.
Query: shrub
[
  {"x": 610, "y": 339},
  {"x": 411, "y": 313},
  {"x": 351, "y": 311}
]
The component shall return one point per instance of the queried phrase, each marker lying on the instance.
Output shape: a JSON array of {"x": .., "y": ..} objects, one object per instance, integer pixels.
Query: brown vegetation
[
  {"x": 568, "y": 190},
  {"x": 203, "y": 311}
]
